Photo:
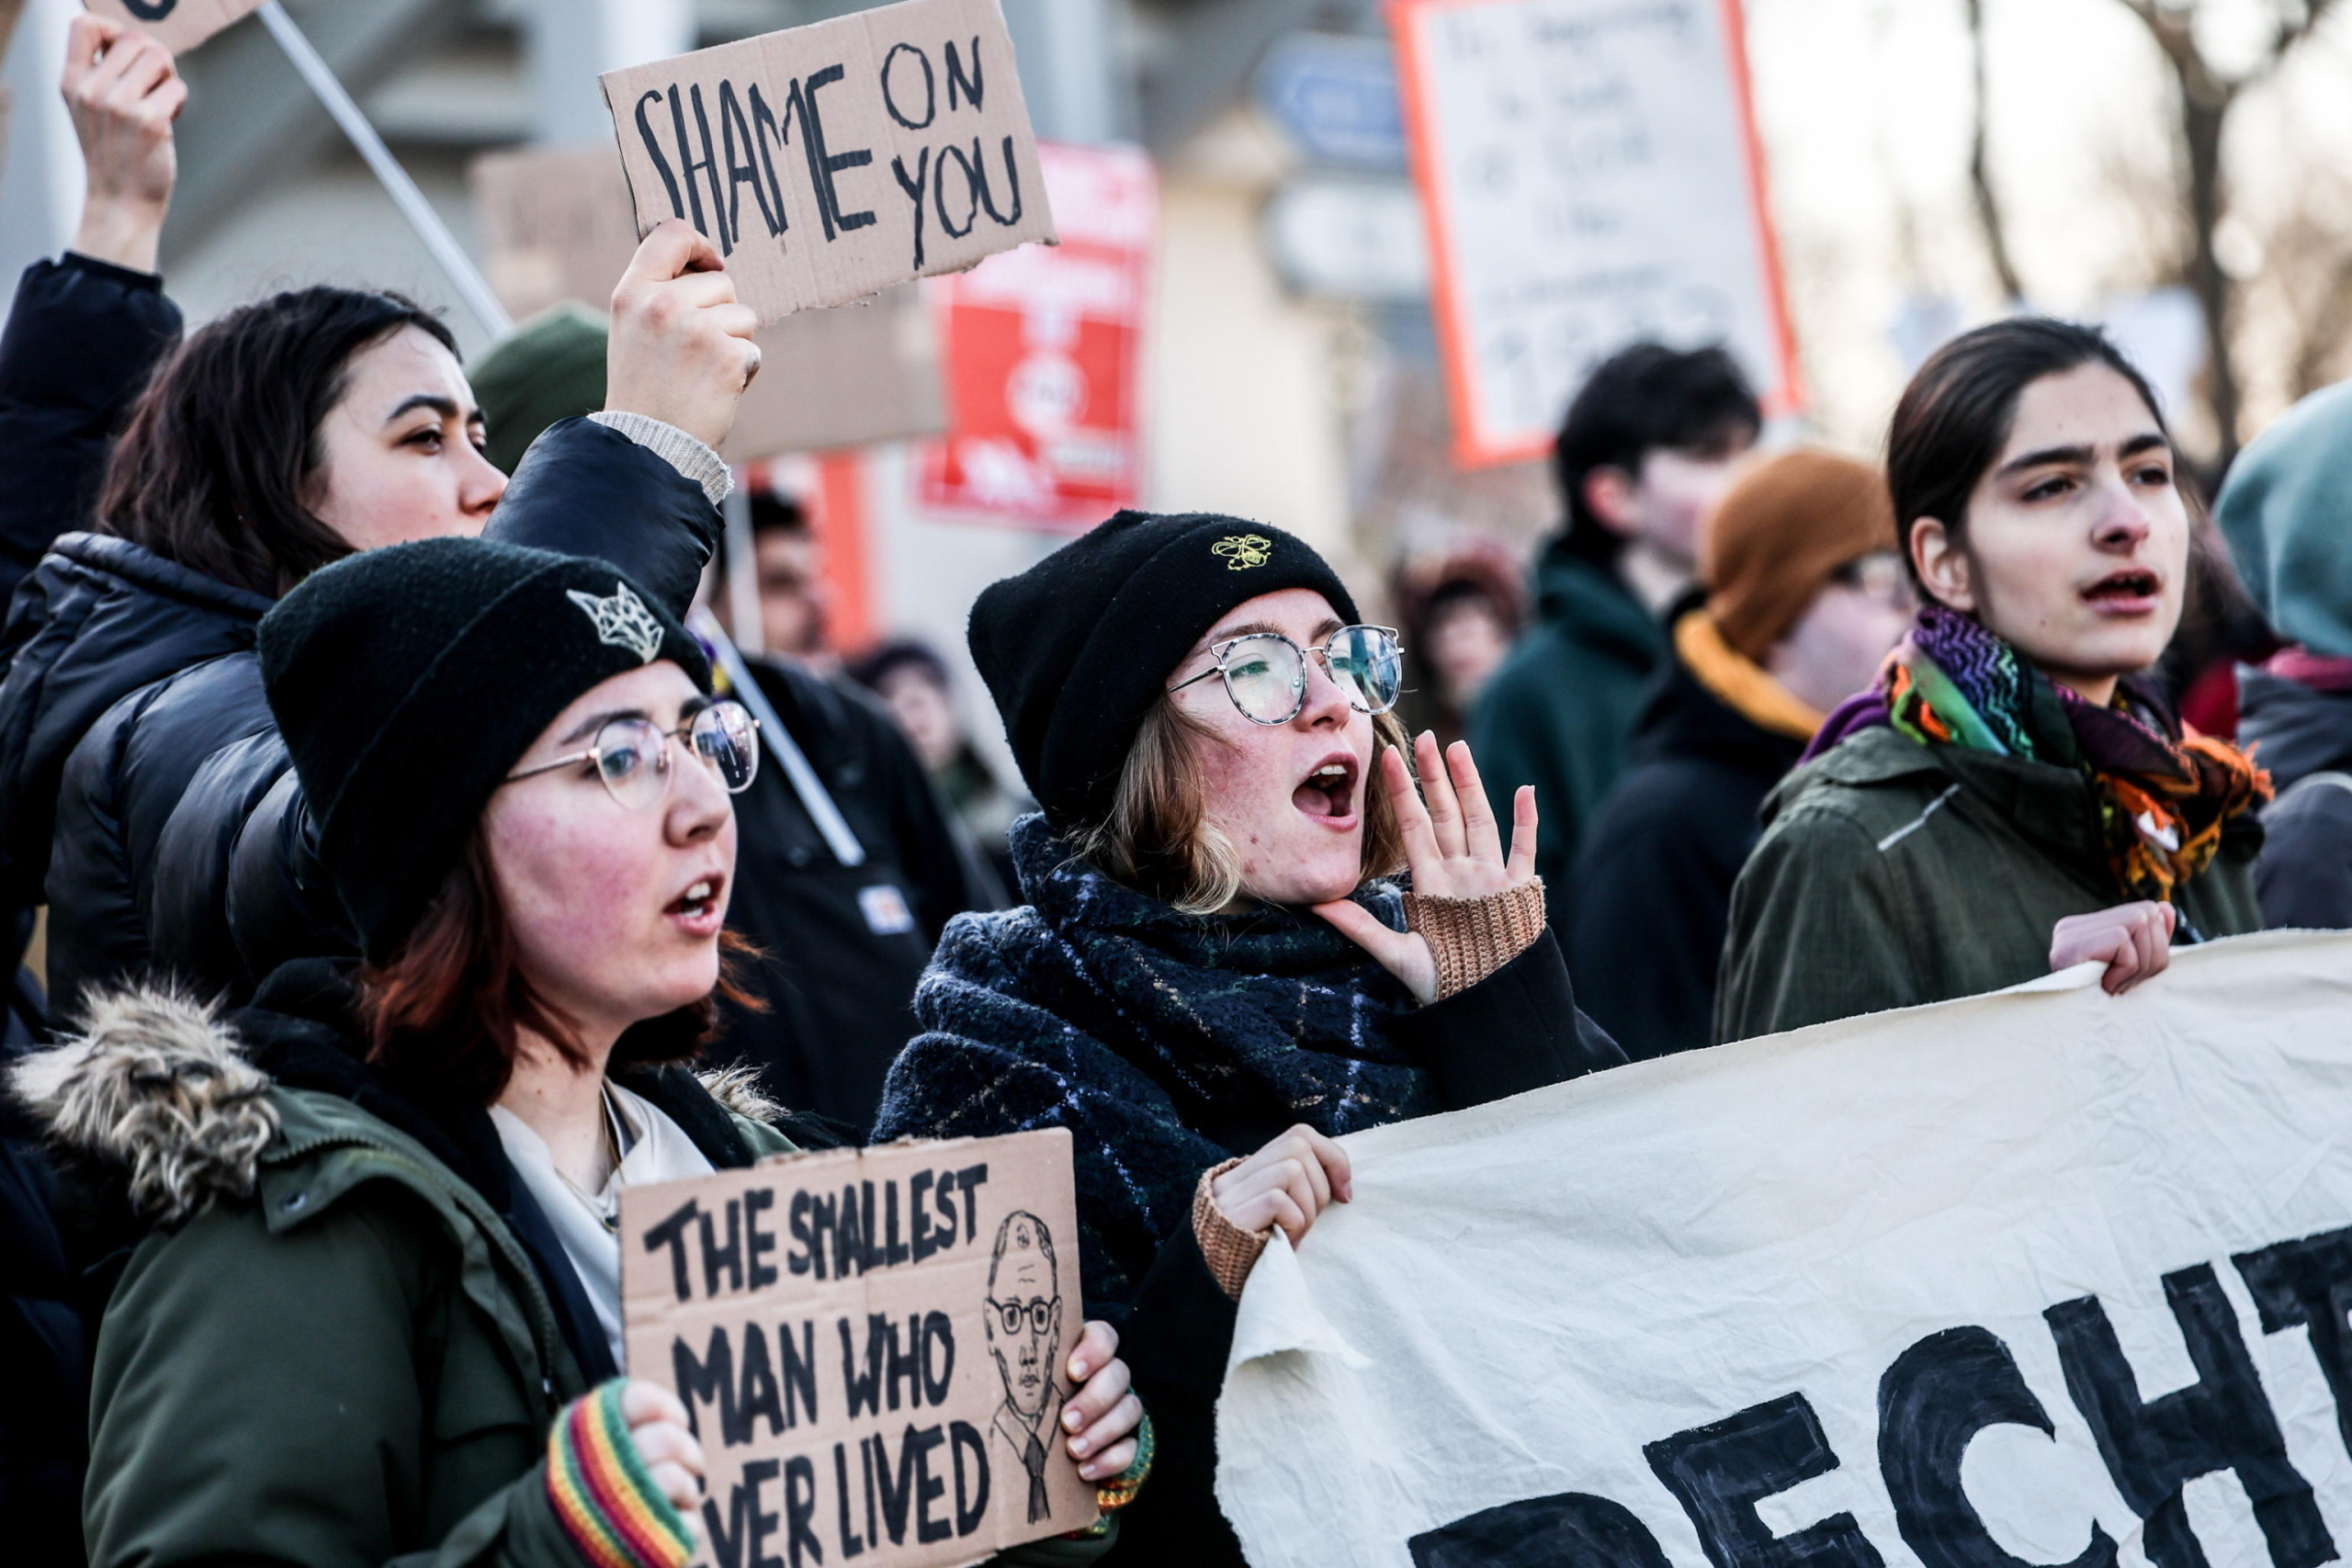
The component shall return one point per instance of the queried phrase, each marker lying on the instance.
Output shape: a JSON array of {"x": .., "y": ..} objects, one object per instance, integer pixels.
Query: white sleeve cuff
[{"x": 675, "y": 447}]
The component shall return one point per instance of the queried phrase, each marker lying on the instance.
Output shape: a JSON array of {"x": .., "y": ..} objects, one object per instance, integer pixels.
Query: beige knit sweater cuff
[
  {"x": 1229, "y": 1251},
  {"x": 675, "y": 447},
  {"x": 1471, "y": 938}
]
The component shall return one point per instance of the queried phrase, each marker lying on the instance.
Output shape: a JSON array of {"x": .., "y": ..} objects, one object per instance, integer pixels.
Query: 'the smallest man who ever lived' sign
[{"x": 873, "y": 1347}]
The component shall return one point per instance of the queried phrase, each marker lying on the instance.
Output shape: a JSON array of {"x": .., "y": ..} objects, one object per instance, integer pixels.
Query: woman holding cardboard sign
[
  {"x": 2012, "y": 798},
  {"x": 377, "y": 1313},
  {"x": 1213, "y": 977}
]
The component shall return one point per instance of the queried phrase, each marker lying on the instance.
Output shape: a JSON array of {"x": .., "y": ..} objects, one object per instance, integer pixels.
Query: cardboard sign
[
  {"x": 559, "y": 226},
  {"x": 871, "y": 1344},
  {"x": 2044, "y": 1277},
  {"x": 178, "y": 25},
  {"x": 1591, "y": 178},
  {"x": 828, "y": 162},
  {"x": 1044, "y": 354}
]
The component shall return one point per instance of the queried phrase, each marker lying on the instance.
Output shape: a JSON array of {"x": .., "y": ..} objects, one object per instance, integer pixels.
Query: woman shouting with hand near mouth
[
  {"x": 1219, "y": 969},
  {"x": 2011, "y": 798}
]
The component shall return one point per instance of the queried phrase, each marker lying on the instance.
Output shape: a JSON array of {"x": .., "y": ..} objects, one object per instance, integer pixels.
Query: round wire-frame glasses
[
  {"x": 1265, "y": 673},
  {"x": 632, "y": 754}
]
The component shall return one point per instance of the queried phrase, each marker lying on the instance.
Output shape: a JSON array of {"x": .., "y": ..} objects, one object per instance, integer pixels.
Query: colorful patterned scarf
[{"x": 2164, "y": 793}]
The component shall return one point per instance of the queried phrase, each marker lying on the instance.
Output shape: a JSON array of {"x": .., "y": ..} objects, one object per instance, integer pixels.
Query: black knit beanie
[
  {"x": 1077, "y": 648},
  {"x": 408, "y": 680}
]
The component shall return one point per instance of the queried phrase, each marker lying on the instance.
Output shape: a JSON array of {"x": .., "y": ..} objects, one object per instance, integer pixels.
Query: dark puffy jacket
[
  {"x": 2304, "y": 738},
  {"x": 142, "y": 779},
  {"x": 1654, "y": 880}
]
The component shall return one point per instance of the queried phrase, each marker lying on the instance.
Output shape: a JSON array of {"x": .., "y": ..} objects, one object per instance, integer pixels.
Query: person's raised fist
[
  {"x": 123, "y": 92},
  {"x": 681, "y": 350}
]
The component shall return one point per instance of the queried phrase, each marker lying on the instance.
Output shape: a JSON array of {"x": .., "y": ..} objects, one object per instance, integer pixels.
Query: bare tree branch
[{"x": 1980, "y": 178}]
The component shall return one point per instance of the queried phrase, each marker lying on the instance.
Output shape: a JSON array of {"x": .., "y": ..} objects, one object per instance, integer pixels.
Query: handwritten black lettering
[
  {"x": 958, "y": 82},
  {"x": 962, "y": 1436},
  {"x": 743, "y": 167},
  {"x": 930, "y": 88},
  {"x": 672, "y": 1232},
  {"x": 755, "y": 1203}
]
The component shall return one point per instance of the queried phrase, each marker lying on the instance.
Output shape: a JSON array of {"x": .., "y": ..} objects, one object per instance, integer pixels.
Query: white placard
[
  {"x": 1592, "y": 177},
  {"x": 2048, "y": 1277}
]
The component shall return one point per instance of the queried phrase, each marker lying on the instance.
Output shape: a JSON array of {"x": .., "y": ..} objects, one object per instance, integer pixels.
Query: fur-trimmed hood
[{"x": 165, "y": 1093}]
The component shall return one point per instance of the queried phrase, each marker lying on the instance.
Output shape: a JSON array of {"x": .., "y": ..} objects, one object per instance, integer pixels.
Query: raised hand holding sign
[
  {"x": 828, "y": 162},
  {"x": 178, "y": 25}
]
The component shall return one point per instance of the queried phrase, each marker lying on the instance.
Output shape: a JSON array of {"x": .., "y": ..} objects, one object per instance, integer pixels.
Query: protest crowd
[{"x": 414, "y": 873}]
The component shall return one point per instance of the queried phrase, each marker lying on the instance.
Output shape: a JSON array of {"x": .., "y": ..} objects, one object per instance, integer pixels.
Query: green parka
[
  {"x": 1892, "y": 875},
  {"x": 331, "y": 1351}
]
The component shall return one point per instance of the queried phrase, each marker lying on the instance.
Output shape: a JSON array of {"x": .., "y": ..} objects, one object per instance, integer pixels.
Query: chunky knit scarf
[
  {"x": 2164, "y": 794},
  {"x": 1165, "y": 1043}
]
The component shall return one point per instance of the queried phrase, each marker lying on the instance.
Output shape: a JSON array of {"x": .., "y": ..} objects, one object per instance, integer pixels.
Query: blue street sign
[{"x": 1336, "y": 100}]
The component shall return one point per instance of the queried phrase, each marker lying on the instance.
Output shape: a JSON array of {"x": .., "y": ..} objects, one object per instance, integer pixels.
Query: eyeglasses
[
  {"x": 1038, "y": 1310},
  {"x": 1265, "y": 673},
  {"x": 632, "y": 755}
]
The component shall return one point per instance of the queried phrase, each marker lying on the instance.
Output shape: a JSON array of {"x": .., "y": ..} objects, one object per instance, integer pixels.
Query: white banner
[{"x": 2048, "y": 1277}]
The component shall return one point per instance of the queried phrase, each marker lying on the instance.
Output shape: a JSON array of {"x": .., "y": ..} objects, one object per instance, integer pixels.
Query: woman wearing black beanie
[
  {"x": 377, "y": 1313},
  {"x": 1212, "y": 977}
]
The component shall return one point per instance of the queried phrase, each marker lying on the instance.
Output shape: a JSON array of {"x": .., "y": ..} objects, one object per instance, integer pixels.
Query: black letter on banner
[
  {"x": 1939, "y": 1394},
  {"x": 1570, "y": 1528},
  {"x": 744, "y": 1519},
  {"x": 708, "y": 163},
  {"x": 764, "y": 126},
  {"x": 865, "y": 1390},
  {"x": 799, "y": 1372},
  {"x": 1720, "y": 1471},
  {"x": 2223, "y": 1421},
  {"x": 1011, "y": 177},
  {"x": 2309, "y": 1282},
  {"x": 762, "y": 1243},
  {"x": 938, "y": 1329},
  {"x": 913, "y": 189},
  {"x": 727, "y": 1259},
  {"x": 957, "y": 81},
  {"x": 930, "y": 88},
  {"x": 760, "y": 1396},
  {"x": 799, "y": 1509},
  {"x": 698, "y": 1382},
  {"x": 929, "y": 1488},
  {"x": 961, "y": 1436},
  {"x": 972, "y": 180},
  {"x": 824, "y": 166},
  {"x": 899, "y": 1485},
  {"x": 672, "y": 1232},
  {"x": 736, "y": 131},
  {"x": 660, "y": 165}
]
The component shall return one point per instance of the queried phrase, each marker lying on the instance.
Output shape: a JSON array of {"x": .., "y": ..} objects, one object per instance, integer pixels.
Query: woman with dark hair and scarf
[
  {"x": 376, "y": 1314},
  {"x": 2013, "y": 797},
  {"x": 1218, "y": 970}
]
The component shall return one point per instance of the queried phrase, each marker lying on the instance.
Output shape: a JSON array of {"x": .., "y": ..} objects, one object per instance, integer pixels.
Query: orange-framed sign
[{"x": 1590, "y": 174}]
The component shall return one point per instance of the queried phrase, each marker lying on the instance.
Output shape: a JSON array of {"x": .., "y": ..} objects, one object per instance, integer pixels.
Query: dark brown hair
[
  {"x": 451, "y": 1006},
  {"x": 1957, "y": 413},
  {"x": 216, "y": 470}
]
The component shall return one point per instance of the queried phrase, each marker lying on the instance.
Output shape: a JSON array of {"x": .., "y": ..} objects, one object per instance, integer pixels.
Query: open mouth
[
  {"x": 699, "y": 902},
  {"x": 2134, "y": 589},
  {"x": 1330, "y": 792}
]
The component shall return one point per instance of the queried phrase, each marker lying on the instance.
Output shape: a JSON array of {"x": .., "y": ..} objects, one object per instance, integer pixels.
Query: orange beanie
[{"x": 1782, "y": 534}]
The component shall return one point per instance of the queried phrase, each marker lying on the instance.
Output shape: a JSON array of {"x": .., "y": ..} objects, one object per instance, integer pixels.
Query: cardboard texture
[
  {"x": 836, "y": 1324},
  {"x": 558, "y": 227},
  {"x": 178, "y": 25},
  {"x": 830, "y": 160}
]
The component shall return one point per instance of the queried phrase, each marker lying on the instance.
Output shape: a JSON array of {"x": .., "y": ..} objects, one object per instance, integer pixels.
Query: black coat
[
  {"x": 1652, "y": 882},
  {"x": 2304, "y": 877},
  {"x": 144, "y": 795},
  {"x": 840, "y": 946}
]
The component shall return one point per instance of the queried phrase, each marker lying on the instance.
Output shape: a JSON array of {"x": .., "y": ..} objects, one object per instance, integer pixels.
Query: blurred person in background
[
  {"x": 1803, "y": 596},
  {"x": 914, "y": 685},
  {"x": 1459, "y": 613},
  {"x": 1648, "y": 447},
  {"x": 2015, "y": 797},
  {"x": 839, "y": 947},
  {"x": 1212, "y": 977},
  {"x": 2287, "y": 513}
]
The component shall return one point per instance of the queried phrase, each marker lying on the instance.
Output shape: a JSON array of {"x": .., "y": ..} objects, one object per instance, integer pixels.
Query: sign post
[{"x": 1592, "y": 177}]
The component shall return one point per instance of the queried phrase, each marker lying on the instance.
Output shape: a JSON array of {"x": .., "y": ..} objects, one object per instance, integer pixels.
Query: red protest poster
[{"x": 1042, "y": 354}]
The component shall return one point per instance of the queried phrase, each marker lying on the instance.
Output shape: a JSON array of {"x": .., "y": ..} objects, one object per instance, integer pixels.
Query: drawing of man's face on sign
[{"x": 1025, "y": 1324}]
